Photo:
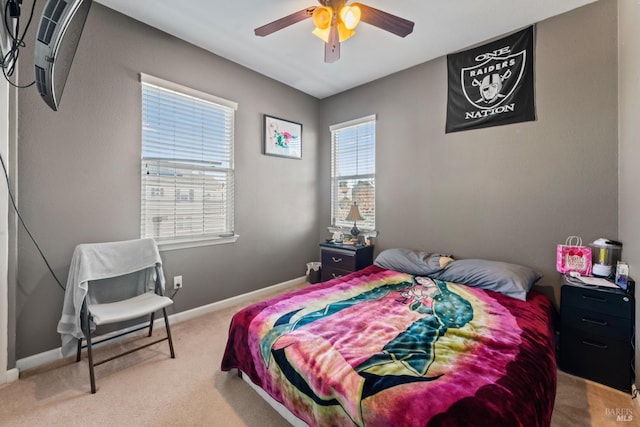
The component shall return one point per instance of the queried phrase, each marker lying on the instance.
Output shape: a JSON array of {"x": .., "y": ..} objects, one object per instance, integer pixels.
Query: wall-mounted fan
[
  {"x": 59, "y": 32},
  {"x": 336, "y": 21}
]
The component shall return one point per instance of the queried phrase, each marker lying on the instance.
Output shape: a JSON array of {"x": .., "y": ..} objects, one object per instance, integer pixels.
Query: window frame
[
  {"x": 195, "y": 240},
  {"x": 372, "y": 119}
]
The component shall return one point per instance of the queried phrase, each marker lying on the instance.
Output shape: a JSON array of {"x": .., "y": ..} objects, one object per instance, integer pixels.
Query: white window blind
[
  {"x": 187, "y": 163},
  {"x": 353, "y": 171}
]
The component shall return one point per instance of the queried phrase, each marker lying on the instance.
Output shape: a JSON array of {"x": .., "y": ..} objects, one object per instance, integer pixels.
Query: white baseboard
[
  {"x": 12, "y": 375},
  {"x": 56, "y": 354},
  {"x": 230, "y": 302},
  {"x": 39, "y": 359}
]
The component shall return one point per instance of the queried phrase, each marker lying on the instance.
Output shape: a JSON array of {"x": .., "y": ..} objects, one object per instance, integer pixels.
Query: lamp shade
[
  {"x": 322, "y": 17},
  {"x": 354, "y": 214},
  {"x": 350, "y": 16},
  {"x": 344, "y": 33},
  {"x": 349, "y": 19}
]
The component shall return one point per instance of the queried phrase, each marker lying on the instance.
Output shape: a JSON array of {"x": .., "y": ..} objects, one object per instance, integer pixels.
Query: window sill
[{"x": 195, "y": 243}]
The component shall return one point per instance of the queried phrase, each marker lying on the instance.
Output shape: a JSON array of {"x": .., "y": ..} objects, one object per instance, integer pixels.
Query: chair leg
[
  {"x": 89, "y": 352},
  {"x": 153, "y": 316},
  {"x": 79, "y": 350},
  {"x": 166, "y": 322}
]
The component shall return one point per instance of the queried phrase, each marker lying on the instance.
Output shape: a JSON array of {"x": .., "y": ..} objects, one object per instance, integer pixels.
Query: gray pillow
[
  {"x": 509, "y": 279},
  {"x": 410, "y": 261}
]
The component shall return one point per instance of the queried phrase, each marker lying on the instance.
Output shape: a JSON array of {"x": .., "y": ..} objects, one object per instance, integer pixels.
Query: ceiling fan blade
[
  {"x": 394, "y": 24},
  {"x": 332, "y": 47},
  {"x": 281, "y": 23}
]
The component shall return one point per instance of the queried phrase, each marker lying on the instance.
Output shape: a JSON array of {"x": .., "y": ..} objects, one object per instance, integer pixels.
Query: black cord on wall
[{"x": 15, "y": 207}]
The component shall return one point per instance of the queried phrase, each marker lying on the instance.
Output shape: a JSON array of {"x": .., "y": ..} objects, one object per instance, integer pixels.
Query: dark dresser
[
  {"x": 597, "y": 333},
  {"x": 339, "y": 260}
]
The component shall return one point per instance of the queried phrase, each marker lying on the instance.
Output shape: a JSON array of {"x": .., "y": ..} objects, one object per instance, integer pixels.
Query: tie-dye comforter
[{"x": 383, "y": 348}]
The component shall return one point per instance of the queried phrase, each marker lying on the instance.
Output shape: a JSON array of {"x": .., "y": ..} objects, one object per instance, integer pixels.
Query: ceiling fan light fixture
[
  {"x": 322, "y": 34},
  {"x": 344, "y": 33},
  {"x": 350, "y": 16},
  {"x": 322, "y": 17},
  {"x": 335, "y": 22}
]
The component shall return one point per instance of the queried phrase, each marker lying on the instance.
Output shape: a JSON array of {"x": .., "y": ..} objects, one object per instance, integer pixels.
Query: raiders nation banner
[{"x": 492, "y": 85}]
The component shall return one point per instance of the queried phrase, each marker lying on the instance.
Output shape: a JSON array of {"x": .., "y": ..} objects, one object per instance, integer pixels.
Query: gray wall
[
  {"x": 79, "y": 172},
  {"x": 506, "y": 193},
  {"x": 629, "y": 105}
]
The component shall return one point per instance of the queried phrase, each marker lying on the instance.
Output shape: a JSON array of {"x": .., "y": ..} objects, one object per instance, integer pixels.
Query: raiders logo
[{"x": 490, "y": 83}]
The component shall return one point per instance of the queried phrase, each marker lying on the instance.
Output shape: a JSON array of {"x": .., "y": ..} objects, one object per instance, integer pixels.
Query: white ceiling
[{"x": 295, "y": 57}]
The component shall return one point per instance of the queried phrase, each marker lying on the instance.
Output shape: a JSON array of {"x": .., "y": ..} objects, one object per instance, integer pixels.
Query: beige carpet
[{"x": 147, "y": 388}]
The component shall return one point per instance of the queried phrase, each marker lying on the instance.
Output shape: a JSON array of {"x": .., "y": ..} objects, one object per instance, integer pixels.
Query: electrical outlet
[{"x": 177, "y": 282}]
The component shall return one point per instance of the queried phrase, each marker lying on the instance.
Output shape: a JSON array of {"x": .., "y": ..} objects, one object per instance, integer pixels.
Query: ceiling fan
[{"x": 335, "y": 22}]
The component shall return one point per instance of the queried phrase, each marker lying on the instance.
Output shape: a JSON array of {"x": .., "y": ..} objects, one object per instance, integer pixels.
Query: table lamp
[{"x": 354, "y": 215}]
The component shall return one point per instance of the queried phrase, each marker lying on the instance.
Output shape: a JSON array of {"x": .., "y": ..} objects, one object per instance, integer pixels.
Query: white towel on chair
[{"x": 98, "y": 261}]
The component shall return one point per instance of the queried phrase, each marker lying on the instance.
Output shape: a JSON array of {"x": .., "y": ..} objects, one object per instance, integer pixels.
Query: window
[
  {"x": 353, "y": 171},
  {"x": 187, "y": 165}
]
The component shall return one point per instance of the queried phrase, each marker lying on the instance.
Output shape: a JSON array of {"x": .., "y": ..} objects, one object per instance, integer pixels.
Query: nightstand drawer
[
  {"x": 329, "y": 273},
  {"x": 338, "y": 260},
  {"x": 605, "y": 360},
  {"x": 596, "y": 323},
  {"x": 614, "y": 303}
]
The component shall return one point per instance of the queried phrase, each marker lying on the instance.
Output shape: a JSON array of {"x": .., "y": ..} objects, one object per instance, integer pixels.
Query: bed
[{"x": 383, "y": 347}]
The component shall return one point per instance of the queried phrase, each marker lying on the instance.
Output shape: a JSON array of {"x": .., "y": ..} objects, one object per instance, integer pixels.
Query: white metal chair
[{"x": 94, "y": 302}]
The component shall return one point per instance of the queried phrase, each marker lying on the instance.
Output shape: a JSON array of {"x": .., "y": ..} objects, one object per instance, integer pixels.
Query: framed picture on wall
[{"x": 282, "y": 138}]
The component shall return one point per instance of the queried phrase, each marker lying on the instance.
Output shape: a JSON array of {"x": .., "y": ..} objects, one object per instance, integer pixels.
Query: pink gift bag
[{"x": 572, "y": 256}]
